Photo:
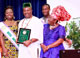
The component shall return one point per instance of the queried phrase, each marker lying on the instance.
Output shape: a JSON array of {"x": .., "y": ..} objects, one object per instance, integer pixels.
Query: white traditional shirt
[
  {"x": 36, "y": 32},
  {"x": 44, "y": 20}
]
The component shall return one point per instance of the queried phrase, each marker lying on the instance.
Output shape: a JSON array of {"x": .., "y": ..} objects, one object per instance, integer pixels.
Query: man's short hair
[{"x": 47, "y": 5}]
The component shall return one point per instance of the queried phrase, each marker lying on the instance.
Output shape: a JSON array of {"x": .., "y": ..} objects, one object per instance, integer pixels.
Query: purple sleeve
[{"x": 62, "y": 32}]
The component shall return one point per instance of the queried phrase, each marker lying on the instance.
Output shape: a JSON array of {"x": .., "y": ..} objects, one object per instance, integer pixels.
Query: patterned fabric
[
  {"x": 50, "y": 36},
  {"x": 12, "y": 51},
  {"x": 60, "y": 13}
]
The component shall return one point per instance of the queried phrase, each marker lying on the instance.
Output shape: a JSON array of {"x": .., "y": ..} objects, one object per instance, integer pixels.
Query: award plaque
[{"x": 24, "y": 34}]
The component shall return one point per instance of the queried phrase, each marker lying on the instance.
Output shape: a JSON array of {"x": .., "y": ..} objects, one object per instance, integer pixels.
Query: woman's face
[
  {"x": 9, "y": 14},
  {"x": 52, "y": 20}
]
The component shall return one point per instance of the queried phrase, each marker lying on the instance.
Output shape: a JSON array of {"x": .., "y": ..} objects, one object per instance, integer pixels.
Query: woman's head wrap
[{"x": 60, "y": 13}]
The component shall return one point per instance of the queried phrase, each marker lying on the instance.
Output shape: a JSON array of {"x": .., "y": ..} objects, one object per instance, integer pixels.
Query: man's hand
[{"x": 27, "y": 43}]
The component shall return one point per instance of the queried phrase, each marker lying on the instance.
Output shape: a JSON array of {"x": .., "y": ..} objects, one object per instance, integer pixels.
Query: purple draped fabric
[{"x": 50, "y": 36}]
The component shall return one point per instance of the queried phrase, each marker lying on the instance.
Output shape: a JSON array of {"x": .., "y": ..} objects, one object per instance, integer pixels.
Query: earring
[
  {"x": 13, "y": 17},
  {"x": 5, "y": 18}
]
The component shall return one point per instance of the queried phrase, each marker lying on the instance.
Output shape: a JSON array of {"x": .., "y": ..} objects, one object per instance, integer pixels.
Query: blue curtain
[{"x": 17, "y": 7}]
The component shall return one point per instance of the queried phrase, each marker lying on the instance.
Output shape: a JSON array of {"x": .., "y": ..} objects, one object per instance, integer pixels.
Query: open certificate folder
[{"x": 24, "y": 34}]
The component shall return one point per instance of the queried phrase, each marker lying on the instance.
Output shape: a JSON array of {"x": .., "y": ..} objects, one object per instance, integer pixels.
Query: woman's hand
[
  {"x": 69, "y": 42},
  {"x": 45, "y": 48},
  {"x": 5, "y": 52},
  {"x": 27, "y": 43}
]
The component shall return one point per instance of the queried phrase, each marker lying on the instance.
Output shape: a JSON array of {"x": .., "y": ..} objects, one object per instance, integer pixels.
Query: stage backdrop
[{"x": 17, "y": 6}]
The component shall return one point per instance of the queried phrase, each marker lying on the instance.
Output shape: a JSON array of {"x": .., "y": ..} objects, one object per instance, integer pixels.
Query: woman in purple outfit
[{"x": 54, "y": 35}]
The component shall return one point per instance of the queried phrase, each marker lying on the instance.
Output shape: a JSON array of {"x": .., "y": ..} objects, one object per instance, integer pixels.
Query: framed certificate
[{"x": 24, "y": 34}]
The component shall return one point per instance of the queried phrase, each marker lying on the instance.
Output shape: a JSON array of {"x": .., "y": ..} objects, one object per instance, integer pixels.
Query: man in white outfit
[{"x": 29, "y": 48}]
